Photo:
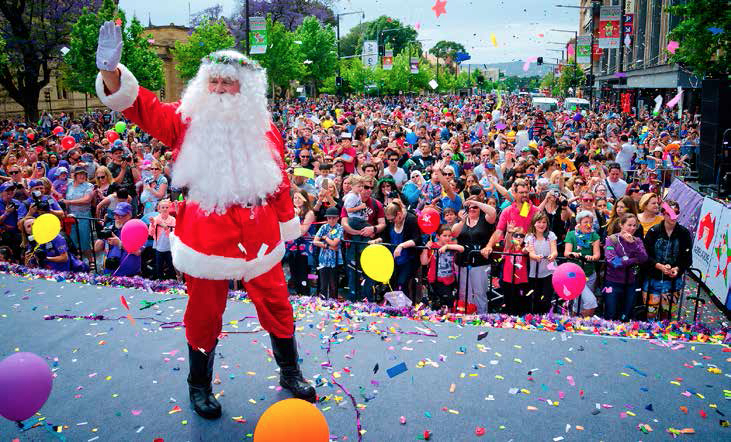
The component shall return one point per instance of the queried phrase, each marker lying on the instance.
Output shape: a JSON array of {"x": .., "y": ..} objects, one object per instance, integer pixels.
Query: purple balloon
[
  {"x": 578, "y": 117},
  {"x": 500, "y": 126},
  {"x": 25, "y": 383}
]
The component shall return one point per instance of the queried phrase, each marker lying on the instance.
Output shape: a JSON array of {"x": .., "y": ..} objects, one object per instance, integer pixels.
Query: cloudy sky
[{"x": 522, "y": 27}]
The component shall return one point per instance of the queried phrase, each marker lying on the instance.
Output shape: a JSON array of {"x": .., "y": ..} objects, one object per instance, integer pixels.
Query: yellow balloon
[
  {"x": 45, "y": 228},
  {"x": 377, "y": 262}
]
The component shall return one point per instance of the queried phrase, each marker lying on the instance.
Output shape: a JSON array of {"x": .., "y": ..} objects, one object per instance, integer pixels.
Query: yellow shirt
[
  {"x": 569, "y": 164},
  {"x": 511, "y": 136},
  {"x": 646, "y": 226}
]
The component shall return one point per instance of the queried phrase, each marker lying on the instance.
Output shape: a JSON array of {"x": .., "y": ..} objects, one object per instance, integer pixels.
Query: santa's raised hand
[{"x": 109, "y": 48}]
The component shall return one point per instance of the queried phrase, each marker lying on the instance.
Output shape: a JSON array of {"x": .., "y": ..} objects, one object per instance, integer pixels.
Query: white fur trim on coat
[
  {"x": 125, "y": 96},
  {"x": 289, "y": 230},
  {"x": 189, "y": 261}
]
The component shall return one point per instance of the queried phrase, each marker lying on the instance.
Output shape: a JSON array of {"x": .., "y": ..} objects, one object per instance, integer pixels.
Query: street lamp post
[
  {"x": 594, "y": 4},
  {"x": 576, "y": 40},
  {"x": 378, "y": 42},
  {"x": 339, "y": 80}
]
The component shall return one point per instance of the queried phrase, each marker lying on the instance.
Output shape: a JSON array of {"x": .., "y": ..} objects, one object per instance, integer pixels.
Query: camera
[
  {"x": 105, "y": 233},
  {"x": 127, "y": 158}
]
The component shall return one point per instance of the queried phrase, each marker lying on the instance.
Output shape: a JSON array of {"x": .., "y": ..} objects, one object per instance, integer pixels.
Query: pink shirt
[{"x": 512, "y": 213}]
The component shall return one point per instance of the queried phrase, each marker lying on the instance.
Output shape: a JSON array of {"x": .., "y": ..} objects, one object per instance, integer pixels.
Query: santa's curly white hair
[{"x": 225, "y": 157}]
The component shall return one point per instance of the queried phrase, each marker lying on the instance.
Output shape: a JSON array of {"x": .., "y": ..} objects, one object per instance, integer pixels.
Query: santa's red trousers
[{"x": 207, "y": 302}]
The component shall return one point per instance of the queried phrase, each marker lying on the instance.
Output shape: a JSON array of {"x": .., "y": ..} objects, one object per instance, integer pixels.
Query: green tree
[
  {"x": 79, "y": 71},
  {"x": 550, "y": 82},
  {"x": 317, "y": 51},
  {"x": 282, "y": 59},
  {"x": 400, "y": 78},
  {"x": 34, "y": 32},
  {"x": 389, "y": 32},
  {"x": 446, "y": 49},
  {"x": 572, "y": 76},
  {"x": 702, "y": 50},
  {"x": 352, "y": 42},
  {"x": 209, "y": 36}
]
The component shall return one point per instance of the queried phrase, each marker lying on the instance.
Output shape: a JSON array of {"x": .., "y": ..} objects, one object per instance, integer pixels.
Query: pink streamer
[{"x": 675, "y": 100}]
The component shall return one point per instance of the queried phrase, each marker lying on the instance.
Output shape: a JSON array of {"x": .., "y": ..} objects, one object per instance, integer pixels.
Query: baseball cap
[
  {"x": 657, "y": 149},
  {"x": 60, "y": 170},
  {"x": 35, "y": 183},
  {"x": 123, "y": 209},
  {"x": 7, "y": 186},
  {"x": 80, "y": 169},
  {"x": 332, "y": 211},
  {"x": 116, "y": 148}
]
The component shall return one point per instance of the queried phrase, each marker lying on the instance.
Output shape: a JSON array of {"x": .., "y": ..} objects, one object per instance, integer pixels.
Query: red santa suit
[{"x": 234, "y": 241}]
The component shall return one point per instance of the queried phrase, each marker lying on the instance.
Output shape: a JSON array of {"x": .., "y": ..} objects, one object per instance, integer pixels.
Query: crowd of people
[{"x": 518, "y": 192}]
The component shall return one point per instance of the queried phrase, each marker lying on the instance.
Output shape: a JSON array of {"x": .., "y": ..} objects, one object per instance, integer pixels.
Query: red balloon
[
  {"x": 112, "y": 136},
  {"x": 57, "y": 130},
  {"x": 429, "y": 220},
  {"x": 68, "y": 142},
  {"x": 31, "y": 136}
]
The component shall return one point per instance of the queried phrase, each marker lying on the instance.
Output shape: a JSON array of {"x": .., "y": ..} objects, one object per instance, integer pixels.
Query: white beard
[{"x": 226, "y": 158}]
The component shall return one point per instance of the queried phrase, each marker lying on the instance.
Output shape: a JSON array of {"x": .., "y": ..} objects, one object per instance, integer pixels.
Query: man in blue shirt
[
  {"x": 11, "y": 211},
  {"x": 117, "y": 261},
  {"x": 37, "y": 204}
]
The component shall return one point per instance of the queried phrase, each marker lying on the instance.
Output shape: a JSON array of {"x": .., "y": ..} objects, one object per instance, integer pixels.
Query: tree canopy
[
  {"x": 210, "y": 36},
  {"x": 79, "y": 71},
  {"x": 703, "y": 34},
  {"x": 33, "y": 32}
]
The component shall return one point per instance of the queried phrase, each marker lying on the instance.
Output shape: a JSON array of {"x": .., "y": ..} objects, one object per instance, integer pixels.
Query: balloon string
[{"x": 120, "y": 265}]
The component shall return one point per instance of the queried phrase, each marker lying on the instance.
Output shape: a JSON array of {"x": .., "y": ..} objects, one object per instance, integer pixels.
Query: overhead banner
[
  {"x": 414, "y": 63},
  {"x": 257, "y": 35},
  {"x": 370, "y": 53},
  {"x": 609, "y": 18},
  {"x": 388, "y": 60},
  {"x": 583, "y": 49}
]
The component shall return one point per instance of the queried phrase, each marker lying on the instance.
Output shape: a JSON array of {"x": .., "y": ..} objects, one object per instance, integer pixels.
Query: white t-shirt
[
  {"x": 399, "y": 176},
  {"x": 352, "y": 200},
  {"x": 618, "y": 189},
  {"x": 624, "y": 157},
  {"x": 543, "y": 248}
]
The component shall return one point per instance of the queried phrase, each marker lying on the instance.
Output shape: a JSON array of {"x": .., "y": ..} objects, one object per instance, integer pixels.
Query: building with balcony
[{"x": 644, "y": 64}]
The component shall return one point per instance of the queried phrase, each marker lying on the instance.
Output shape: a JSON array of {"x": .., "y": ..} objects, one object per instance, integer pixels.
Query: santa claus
[{"x": 239, "y": 211}]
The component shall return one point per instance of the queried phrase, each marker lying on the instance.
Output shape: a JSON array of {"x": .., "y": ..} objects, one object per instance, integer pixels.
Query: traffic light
[
  {"x": 540, "y": 61},
  {"x": 339, "y": 81}
]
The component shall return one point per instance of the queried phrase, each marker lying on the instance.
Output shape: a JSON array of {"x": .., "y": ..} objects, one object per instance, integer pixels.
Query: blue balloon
[{"x": 411, "y": 138}]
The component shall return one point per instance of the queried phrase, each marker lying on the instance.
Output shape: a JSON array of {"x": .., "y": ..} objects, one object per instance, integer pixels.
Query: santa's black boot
[
  {"x": 199, "y": 384},
  {"x": 285, "y": 353}
]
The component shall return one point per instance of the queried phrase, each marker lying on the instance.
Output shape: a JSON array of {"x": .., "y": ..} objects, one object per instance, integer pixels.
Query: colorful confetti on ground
[{"x": 380, "y": 372}]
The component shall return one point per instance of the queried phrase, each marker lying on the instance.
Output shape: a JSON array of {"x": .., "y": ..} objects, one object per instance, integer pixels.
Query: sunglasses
[
  {"x": 368, "y": 187},
  {"x": 448, "y": 173},
  {"x": 154, "y": 168},
  {"x": 101, "y": 177},
  {"x": 518, "y": 235},
  {"x": 580, "y": 183},
  {"x": 304, "y": 156},
  {"x": 587, "y": 200},
  {"x": 13, "y": 172}
]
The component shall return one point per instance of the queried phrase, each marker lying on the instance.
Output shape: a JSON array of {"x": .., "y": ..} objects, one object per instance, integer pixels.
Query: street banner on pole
[
  {"x": 609, "y": 27},
  {"x": 257, "y": 35},
  {"x": 388, "y": 61},
  {"x": 414, "y": 65},
  {"x": 583, "y": 49},
  {"x": 370, "y": 53}
]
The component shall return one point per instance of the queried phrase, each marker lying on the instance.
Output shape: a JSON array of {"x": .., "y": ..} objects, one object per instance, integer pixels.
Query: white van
[
  {"x": 545, "y": 104},
  {"x": 579, "y": 103}
]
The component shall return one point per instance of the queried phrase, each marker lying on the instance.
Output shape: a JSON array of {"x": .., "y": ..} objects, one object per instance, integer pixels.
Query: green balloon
[
  {"x": 120, "y": 127},
  {"x": 573, "y": 108}
]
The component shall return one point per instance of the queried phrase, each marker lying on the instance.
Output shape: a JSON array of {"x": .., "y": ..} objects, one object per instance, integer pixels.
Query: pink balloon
[
  {"x": 568, "y": 280},
  {"x": 134, "y": 235}
]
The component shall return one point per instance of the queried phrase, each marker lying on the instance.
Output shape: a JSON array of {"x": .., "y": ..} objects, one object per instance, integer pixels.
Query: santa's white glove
[{"x": 109, "y": 49}]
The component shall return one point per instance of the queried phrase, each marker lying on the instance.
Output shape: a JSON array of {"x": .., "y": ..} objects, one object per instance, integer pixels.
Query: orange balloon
[{"x": 292, "y": 420}]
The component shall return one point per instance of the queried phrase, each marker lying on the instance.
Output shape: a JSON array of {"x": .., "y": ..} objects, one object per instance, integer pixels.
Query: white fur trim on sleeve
[
  {"x": 289, "y": 230},
  {"x": 125, "y": 96}
]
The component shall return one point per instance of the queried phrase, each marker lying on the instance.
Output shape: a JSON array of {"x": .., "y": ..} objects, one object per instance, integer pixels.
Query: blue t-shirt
[
  {"x": 57, "y": 247},
  {"x": 11, "y": 221},
  {"x": 129, "y": 265},
  {"x": 398, "y": 238},
  {"x": 455, "y": 204}
]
